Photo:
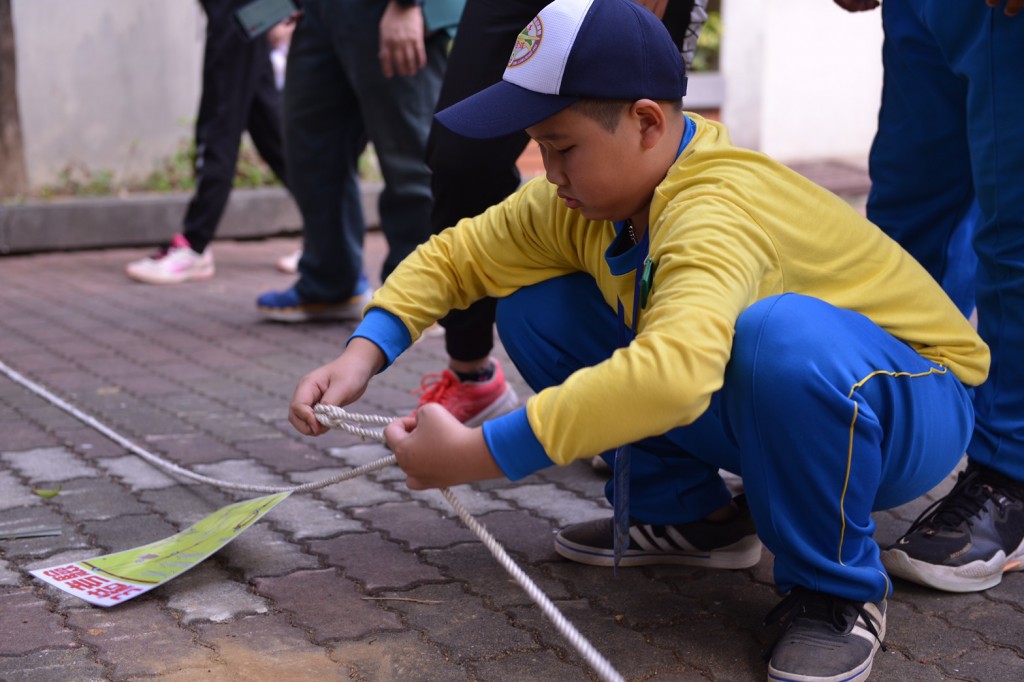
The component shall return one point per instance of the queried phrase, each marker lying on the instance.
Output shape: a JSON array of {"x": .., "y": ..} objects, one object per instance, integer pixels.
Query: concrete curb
[{"x": 149, "y": 219}]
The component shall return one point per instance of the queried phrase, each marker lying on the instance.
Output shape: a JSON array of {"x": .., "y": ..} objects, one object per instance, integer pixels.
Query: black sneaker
[
  {"x": 826, "y": 638},
  {"x": 714, "y": 544},
  {"x": 966, "y": 541}
]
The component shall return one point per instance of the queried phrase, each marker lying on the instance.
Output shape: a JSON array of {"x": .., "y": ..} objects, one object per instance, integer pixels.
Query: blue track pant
[
  {"x": 947, "y": 167},
  {"x": 825, "y": 416}
]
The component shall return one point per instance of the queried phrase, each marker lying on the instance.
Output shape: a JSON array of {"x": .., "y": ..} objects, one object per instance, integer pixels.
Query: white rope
[
  {"x": 180, "y": 471},
  {"x": 336, "y": 417}
]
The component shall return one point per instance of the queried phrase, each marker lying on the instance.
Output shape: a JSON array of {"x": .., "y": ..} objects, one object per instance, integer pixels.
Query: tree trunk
[{"x": 13, "y": 177}]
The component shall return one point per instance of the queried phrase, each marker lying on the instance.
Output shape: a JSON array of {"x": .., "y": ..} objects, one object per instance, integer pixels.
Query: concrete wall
[
  {"x": 112, "y": 84},
  {"x": 802, "y": 78}
]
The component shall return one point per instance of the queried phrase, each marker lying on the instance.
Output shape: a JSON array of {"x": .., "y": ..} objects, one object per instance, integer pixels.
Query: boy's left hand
[{"x": 435, "y": 450}]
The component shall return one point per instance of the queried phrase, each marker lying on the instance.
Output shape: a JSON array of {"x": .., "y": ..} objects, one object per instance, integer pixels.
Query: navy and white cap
[{"x": 574, "y": 49}]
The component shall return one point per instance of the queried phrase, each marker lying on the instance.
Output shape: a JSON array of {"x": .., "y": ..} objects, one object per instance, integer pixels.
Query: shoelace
[
  {"x": 437, "y": 387},
  {"x": 801, "y": 603},
  {"x": 964, "y": 502}
]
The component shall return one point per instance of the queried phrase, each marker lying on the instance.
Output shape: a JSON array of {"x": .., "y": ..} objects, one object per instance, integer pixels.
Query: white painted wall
[
  {"x": 112, "y": 84},
  {"x": 803, "y": 78}
]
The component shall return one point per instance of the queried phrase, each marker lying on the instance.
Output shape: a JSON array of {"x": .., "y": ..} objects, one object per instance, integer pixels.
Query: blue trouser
[
  {"x": 826, "y": 416},
  {"x": 948, "y": 160},
  {"x": 335, "y": 99}
]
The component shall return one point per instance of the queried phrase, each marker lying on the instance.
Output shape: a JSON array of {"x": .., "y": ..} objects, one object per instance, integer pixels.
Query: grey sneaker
[
  {"x": 712, "y": 544},
  {"x": 967, "y": 540},
  {"x": 825, "y": 639}
]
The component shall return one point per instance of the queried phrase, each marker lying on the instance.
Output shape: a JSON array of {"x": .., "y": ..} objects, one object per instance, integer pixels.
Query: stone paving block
[
  {"x": 265, "y": 647},
  {"x": 303, "y": 517},
  {"x": 27, "y": 436},
  {"x": 562, "y": 507},
  {"x": 986, "y": 664},
  {"x": 461, "y": 625},
  {"x": 284, "y": 455},
  {"x": 632, "y": 595},
  {"x": 139, "y": 639},
  {"x": 617, "y": 644},
  {"x": 580, "y": 477},
  {"x": 361, "y": 491},
  {"x": 207, "y": 592},
  {"x": 523, "y": 536},
  {"x": 151, "y": 387},
  {"x": 893, "y": 665},
  {"x": 52, "y": 416},
  {"x": 190, "y": 449},
  {"x": 398, "y": 656},
  {"x": 127, "y": 531},
  {"x": 729, "y": 593},
  {"x": 9, "y": 575},
  {"x": 414, "y": 526},
  {"x": 136, "y": 473},
  {"x": 184, "y": 505},
  {"x": 228, "y": 425},
  {"x": 185, "y": 404},
  {"x": 483, "y": 575},
  {"x": 330, "y": 606},
  {"x": 360, "y": 454},
  {"x": 27, "y": 624},
  {"x": 221, "y": 387},
  {"x": 931, "y": 602},
  {"x": 259, "y": 551},
  {"x": 476, "y": 502},
  {"x": 66, "y": 665},
  {"x": 49, "y": 465},
  {"x": 241, "y": 471},
  {"x": 89, "y": 443},
  {"x": 923, "y": 638},
  {"x": 37, "y": 518},
  {"x": 702, "y": 641},
  {"x": 14, "y": 494},
  {"x": 999, "y": 625},
  {"x": 137, "y": 418},
  {"x": 375, "y": 562},
  {"x": 530, "y": 666},
  {"x": 85, "y": 499}
]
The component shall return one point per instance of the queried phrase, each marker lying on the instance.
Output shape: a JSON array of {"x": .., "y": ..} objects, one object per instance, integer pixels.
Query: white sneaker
[
  {"x": 179, "y": 264},
  {"x": 289, "y": 264}
]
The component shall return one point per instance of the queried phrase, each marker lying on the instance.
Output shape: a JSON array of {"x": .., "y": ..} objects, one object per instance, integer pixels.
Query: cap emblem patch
[{"x": 527, "y": 43}]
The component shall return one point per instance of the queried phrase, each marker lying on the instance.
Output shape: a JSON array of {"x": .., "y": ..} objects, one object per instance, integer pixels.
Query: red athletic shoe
[{"x": 472, "y": 402}]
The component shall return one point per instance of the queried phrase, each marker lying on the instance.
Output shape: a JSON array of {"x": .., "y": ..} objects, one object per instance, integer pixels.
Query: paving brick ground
[{"x": 364, "y": 580}]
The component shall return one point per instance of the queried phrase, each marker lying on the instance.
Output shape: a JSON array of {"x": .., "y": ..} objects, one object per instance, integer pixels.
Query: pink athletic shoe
[
  {"x": 472, "y": 402},
  {"x": 178, "y": 264}
]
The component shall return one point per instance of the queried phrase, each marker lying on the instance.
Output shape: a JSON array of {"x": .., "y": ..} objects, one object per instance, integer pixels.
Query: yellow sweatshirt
[{"x": 728, "y": 227}]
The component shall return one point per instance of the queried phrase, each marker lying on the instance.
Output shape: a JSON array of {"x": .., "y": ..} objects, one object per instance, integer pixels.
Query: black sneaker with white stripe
[
  {"x": 825, "y": 638},
  {"x": 714, "y": 544}
]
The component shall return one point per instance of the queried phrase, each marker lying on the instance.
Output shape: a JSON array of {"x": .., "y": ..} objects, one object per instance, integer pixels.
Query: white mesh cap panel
[{"x": 542, "y": 50}]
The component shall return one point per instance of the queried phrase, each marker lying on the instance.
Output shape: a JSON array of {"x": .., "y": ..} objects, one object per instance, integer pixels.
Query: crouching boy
[{"x": 688, "y": 306}]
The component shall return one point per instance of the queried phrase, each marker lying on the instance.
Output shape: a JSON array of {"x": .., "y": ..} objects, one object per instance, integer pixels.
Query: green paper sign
[{"x": 115, "y": 578}]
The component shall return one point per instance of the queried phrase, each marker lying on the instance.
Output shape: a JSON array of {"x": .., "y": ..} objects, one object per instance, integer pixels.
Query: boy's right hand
[{"x": 339, "y": 382}]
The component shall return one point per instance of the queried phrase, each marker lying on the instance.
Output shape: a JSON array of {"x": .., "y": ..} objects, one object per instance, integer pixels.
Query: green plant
[
  {"x": 709, "y": 44},
  {"x": 174, "y": 173}
]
